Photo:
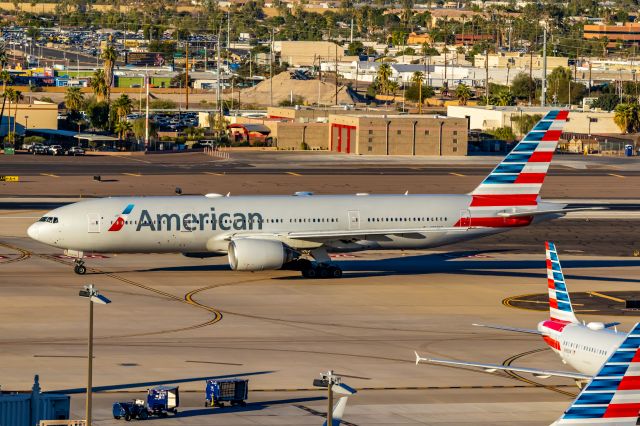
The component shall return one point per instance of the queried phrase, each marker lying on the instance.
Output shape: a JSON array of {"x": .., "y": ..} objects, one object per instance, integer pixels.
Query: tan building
[
  {"x": 520, "y": 61},
  {"x": 306, "y": 53},
  {"x": 398, "y": 135},
  {"x": 38, "y": 115},
  {"x": 290, "y": 135}
]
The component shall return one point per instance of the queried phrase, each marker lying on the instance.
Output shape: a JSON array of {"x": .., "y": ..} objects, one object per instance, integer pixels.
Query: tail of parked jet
[
  {"x": 338, "y": 411},
  {"x": 517, "y": 180},
  {"x": 560, "y": 308},
  {"x": 612, "y": 397}
]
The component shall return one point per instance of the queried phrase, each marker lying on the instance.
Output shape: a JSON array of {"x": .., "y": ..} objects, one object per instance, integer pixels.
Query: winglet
[
  {"x": 418, "y": 359},
  {"x": 613, "y": 395}
]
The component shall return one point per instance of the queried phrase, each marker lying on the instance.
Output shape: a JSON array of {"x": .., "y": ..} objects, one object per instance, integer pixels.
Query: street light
[
  {"x": 91, "y": 293},
  {"x": 333, "y": 383},
  {"x": 26, "y": 124}
]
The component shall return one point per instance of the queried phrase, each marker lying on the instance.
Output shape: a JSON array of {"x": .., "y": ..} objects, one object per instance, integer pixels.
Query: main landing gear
[
  {"x": 321, "y": 267},
  {"x": 79, "y": 267}
]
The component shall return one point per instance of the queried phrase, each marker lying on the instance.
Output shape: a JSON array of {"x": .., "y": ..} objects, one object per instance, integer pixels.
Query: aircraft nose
[{"x": 34, "y": 230}]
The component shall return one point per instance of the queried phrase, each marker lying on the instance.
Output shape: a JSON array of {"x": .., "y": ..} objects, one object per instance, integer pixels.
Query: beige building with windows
[
  {"x": 308, "y": 53},
  {"x": 398, "y": 135},
  {"x": 37, "y": 115}
]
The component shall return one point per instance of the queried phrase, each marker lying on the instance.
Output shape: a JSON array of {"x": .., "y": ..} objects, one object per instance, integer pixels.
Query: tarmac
[{"x": 180, "y": 320}]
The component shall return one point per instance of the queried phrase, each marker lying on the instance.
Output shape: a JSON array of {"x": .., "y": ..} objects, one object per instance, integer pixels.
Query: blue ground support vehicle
[
  {"x": 234, "y": 391},
  {"x": 130, "y": 410},
  {"x": 162, "y": 400}
]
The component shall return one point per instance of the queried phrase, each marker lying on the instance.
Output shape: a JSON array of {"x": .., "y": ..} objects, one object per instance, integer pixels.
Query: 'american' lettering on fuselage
[{"x": 199, "y": 221}]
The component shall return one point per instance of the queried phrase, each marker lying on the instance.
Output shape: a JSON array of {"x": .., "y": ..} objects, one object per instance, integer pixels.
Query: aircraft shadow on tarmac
[
  {"x": 479, "y": 263},
  {"x": 251, "y": 406},
  {"x": 156, "y": 383}
]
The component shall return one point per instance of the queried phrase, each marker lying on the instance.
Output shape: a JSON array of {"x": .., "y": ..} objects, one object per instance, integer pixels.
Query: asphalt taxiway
[{"x": 180, "y": 320}]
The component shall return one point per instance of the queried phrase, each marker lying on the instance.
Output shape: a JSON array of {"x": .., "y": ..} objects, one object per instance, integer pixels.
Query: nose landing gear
[{"x": 79, "y": 267}]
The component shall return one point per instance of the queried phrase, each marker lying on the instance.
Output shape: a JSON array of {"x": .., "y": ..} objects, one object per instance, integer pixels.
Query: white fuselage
[
  {"x": 189, "y": 224},
  {"x": 583, "y": 348}
]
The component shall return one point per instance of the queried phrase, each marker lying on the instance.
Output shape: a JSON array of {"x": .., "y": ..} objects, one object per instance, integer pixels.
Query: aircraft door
[
  {"x": 465, "y": 218},
  {"x": 354, "y": 219},
  {"x": 93, "y": 222}
]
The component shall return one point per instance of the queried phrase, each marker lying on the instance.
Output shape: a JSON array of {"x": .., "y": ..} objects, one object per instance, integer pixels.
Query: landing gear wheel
[
  {"x": 309, "y": 273},
  {"x": 335, "y": 272},
  {"x": 80, "y": 269}
]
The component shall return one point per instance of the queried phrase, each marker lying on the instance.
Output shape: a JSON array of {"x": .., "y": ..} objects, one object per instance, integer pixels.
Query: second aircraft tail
[{"x": 560, "y": 308}]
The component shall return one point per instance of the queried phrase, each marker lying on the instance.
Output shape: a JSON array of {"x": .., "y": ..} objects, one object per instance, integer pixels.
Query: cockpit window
[{"x": 49, "y": 219}]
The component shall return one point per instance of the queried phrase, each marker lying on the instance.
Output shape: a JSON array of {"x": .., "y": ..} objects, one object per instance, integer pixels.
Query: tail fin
[
  {"x": 613, "y": 395},
  {"x": 560, "y": 307},
  {"x": 517, "y": 180},
  {"x": 338, "y": 411}
]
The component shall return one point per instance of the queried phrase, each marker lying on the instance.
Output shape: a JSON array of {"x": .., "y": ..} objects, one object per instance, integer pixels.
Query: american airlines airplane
[
  {"x": 297, "y": 232},
  {"x": 584, "y": 347},
  {"x": 612, "y": 397}
]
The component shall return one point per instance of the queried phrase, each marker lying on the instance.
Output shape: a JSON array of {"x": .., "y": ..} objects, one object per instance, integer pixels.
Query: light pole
[
  {"x": 91, "y": 293},
  {"x": 26, "y": 124},
  {"x": 333, "y": 383}
]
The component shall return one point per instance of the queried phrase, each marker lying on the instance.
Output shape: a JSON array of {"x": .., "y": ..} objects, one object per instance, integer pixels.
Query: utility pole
[
  {"x": 486, "y": 76},
  {"x": 530, "y": 74},
  {"x": 351, "y": 36},
  {"x": 218, "y": 76},
  {"x": 543, "y": 96},
  {"x": 186, "y": 74},
  {"x": 336, "y": 46},
  {"x": 228, "y": 29},
  {"x": 271, "y": 70},
  {"x": 92, "y": 294},
  {"x": 146, "y": 115}
]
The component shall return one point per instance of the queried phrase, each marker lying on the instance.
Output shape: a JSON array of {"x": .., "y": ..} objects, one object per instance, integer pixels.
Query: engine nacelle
[{"x": 248, "y": 254}]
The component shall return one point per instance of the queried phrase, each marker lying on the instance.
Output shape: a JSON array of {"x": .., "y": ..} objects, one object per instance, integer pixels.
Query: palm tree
[
  {"x": 504, "y": 98},
  {"x": 418, "y": 79},
  {"x": 109, "y": 57},
  {"x": 626, "y": 117},
  {"x": 17, "y": 97},
  {"x": 73, "y": 99},
  {"x": 122, "y": 106},
  {"x": 6, "y": 78},
  {"x": 463, "y": 93},
  {"x": 382, "y": 78},
  {"x": 98, "y": 85},
  {"x": 122, "y": 128},
  {"x": 8, "y": 94},
  {"x": 4, "y": 59}
]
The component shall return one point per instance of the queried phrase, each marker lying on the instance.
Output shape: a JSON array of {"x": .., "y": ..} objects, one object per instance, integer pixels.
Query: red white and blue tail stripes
[
  {"x": 613, "y": 395},
  {"x": 560, "y": 308},
  {"x": 119, "y": 222},
  {"x": 517, "y": 180}
]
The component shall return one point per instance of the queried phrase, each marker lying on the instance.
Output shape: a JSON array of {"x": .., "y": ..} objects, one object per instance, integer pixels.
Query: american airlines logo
[
  {"x": 119, "y": 223},
  {"x": 198, "y": 221}
]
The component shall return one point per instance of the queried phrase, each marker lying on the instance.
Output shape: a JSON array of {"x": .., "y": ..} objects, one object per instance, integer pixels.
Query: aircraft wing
[
  {"x": 514, "y": 329},
  {"x": 344, "y": 234},
  {"x": 543, "y": 212},
  {"x": 491, "y": 368}
]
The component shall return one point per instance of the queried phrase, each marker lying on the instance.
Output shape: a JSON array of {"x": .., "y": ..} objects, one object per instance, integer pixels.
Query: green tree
[
  {"x": 355, "y": 48},
  {"x": 122, "y": 106},
  {"x": 503, "y": 98},
  {"x": 626, "y": 117},
  {"x": 99, "y": 85},
  {"x": 98, "y": 114},
  {"x": 522, "y": 86},
  {"x": 463, "y": 93},
  {"x": 73, "y": 99},
  {"x": 122, "y": 128},
  {"x": 606, "y": 102},
  {"x": 526, "y": 122},
  {"x": 560, "y": 86},
  {"x": 383, "y": 84},
  {"x": 503, "y": 133},
  {"x": 139, "y": 128}
]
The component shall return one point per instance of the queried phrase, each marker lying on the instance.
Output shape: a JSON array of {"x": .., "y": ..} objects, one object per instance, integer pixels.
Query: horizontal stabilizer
[
  {"x": 492, "y": 368},
  {"x": 504, "y": 328}
]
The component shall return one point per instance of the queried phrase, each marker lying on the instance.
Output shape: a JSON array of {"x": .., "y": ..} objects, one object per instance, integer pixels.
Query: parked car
[
  {"x": 76, "y": 150},
  {"x": 55, "y": 150},
  {"x": 40, "y": 149},
  {"x": 34, "y": 147}
]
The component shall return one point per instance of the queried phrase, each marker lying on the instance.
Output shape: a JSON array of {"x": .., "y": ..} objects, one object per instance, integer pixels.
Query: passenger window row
[{"x": 406, "y": 219}]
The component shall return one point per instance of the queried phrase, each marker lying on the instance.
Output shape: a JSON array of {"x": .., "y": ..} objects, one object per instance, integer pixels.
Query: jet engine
[{"x": 248, "y": 254}]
